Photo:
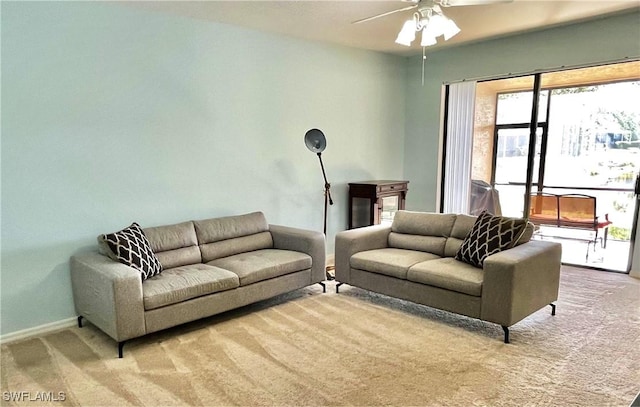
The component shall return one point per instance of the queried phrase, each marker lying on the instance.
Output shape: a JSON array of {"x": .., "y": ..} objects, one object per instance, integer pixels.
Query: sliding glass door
[{"x": 561, "y": 133}]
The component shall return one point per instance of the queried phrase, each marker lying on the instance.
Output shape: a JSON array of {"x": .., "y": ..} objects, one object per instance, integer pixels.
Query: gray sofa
[
  {"x": 209, "y": 266},
  {"x": 413, "y": 259}
]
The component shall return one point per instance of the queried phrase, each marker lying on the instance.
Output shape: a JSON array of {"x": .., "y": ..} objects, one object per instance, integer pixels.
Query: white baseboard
[{"x": 38, "y": 330}]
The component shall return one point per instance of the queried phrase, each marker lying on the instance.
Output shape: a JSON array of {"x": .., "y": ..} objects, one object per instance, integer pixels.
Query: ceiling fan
[{"x": 429, "y": 19}]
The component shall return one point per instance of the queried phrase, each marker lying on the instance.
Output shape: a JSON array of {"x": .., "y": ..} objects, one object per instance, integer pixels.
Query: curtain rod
[{"x": 545, "y": 70}]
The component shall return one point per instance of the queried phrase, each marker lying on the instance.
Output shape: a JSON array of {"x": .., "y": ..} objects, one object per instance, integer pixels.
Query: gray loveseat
[
  {"x": 209, "y": 266},
  {"x": 413, "y": 259}
]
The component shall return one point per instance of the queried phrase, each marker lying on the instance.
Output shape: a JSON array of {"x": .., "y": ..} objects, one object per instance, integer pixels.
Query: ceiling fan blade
[
  {"x": 456, "y": 3},
  {"x": 385, "y": 14}
]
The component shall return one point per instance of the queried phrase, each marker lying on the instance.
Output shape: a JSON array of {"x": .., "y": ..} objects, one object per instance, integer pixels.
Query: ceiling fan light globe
[
  {"x": 450, "y": 29},
  {"x": 436, "y": 25},
  {"x": 409, "y": 27},
  {"x": 427, "y": 40},
  {"x": 430, "y": 32},
  {"x": 403, "y": 41},
  {"x": 407, "y": 34}
]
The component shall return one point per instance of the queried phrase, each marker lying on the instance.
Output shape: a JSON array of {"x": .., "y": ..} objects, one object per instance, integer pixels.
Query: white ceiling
[{"x": 331, "y": 21}]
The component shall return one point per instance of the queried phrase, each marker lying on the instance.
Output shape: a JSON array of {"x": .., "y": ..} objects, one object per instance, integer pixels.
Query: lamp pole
[
  {"x": 316, "y": 142},
  {"x": 327, "y": 194}
]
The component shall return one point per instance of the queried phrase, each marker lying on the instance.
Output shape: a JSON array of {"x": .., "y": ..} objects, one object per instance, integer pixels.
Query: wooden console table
[{"x": 375, "y": 202}]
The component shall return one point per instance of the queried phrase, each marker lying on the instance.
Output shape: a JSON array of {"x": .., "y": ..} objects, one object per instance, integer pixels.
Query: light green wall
[
  {"x": 598, "y": 41},
  {"x": 113, "y": 115}
]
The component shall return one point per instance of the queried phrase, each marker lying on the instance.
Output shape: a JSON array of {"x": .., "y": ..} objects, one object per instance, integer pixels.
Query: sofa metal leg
[
  {"x": 324, "y": 287},
  {"x": 506, "y": 333},
  {"x": 120, "y": 346},
  {"x": 553, "y": 309},
  {"x": 80, "y": 321},
  {"x": 338, "y": 287}
]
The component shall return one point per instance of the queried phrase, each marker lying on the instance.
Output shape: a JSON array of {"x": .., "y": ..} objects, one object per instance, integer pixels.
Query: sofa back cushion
[
  {"x": 226, "y": 236},
  {"x": 423, "y": 231},
  {"x": 462, "y": 227},
  {"x": 174, "y": 245}
]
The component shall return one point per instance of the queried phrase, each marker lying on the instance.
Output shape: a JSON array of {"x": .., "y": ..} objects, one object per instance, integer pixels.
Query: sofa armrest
[
  {"x": 108, "y": 294},
  {"x": 305, "y": 241},
  {"x": 520, "y": 281},
  {"x": 350, "y": 242}
]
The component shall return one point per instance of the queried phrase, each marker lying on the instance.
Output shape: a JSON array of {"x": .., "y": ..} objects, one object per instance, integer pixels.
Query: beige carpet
[{"x": 353, "y": 348}]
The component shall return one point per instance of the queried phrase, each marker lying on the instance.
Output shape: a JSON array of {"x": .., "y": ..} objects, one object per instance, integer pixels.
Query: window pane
[
  {"x": 512, "y": 153},
  {"x": 594, "y": 136},
  {"x": 516, "y": 107}
]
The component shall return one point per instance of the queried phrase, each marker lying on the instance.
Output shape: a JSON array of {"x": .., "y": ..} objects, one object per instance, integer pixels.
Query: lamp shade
[{"x": 315, "y": 141}]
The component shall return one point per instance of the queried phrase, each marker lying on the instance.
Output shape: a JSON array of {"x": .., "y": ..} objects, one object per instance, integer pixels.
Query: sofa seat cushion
[
  {"x": 450, "y": 274},
  {"x": 264, "y": 264},
  {"x": 389, "y": 261},
  {"x": 184, "y": 283}
]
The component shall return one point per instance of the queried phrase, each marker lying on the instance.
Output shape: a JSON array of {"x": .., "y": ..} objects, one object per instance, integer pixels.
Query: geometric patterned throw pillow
[
  {"x": 490, "y": 234},
  {"x": 131, "y": 247}
]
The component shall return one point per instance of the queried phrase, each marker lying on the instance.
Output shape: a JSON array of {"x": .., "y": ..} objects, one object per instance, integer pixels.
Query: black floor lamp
[{"x": 316, "y": 142}]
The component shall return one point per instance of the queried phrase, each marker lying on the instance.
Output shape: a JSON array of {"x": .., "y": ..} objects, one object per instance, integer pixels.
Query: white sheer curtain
[{"x": 458, "y": 148}]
